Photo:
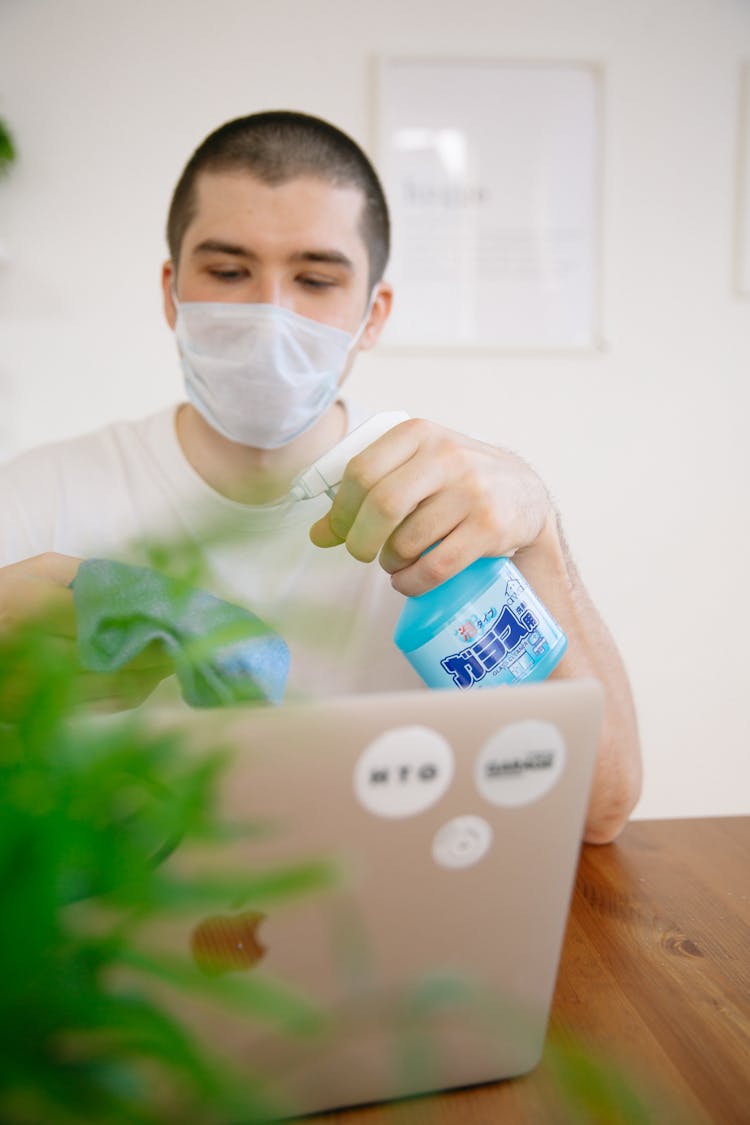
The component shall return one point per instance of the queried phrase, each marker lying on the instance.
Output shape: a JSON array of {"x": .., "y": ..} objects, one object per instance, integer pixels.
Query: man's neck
[{"x": 253, "y": 476}]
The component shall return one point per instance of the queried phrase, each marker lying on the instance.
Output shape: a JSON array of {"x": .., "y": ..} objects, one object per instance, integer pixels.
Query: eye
[
  {"x": 315, "y": 282},
  {"x": 229, "y": 274}
]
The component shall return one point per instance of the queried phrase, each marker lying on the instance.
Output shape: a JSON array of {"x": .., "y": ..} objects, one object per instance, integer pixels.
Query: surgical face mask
[{"x": 260, "y": 374}]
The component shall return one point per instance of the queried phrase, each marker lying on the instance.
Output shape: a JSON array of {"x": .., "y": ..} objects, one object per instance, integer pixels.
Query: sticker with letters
[
  {"x": 461, "y": 842},
  {"x": 520, "y": 763},
  {"x": 403, "y": 771}
]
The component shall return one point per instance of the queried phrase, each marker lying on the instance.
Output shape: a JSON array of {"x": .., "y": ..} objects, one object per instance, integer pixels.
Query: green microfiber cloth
[{"x": 222, "y": 653}]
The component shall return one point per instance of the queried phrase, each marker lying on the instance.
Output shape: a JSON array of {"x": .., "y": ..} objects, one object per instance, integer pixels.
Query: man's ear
[
  {"x": 168, "y": 274},
  {"x": 379, "y": 313}
]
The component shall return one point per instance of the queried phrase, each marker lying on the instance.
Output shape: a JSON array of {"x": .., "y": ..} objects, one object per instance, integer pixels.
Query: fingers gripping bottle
[{"x": 483, "y": 627}]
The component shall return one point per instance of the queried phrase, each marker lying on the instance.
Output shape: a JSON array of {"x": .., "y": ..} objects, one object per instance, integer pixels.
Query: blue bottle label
[{"x": 504, "y": 636}]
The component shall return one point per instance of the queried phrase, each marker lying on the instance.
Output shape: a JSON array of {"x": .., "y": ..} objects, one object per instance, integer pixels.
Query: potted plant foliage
[{"x": 91, "y": 815}]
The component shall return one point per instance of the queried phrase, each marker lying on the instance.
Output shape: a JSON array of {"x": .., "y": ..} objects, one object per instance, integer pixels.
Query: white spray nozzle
[{"x": 325, "y": 475}]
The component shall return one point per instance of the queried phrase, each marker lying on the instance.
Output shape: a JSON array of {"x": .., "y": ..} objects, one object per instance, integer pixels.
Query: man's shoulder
[
  {"x": 88, "y": 494},
  {"x": 92, "y": 451}
]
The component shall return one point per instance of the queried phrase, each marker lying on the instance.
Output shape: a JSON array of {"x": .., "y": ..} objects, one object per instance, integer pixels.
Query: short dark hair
[{"x": 277, "y": 146}]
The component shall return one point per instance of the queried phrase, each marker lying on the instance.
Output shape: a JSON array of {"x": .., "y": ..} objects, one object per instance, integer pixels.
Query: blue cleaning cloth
[{"x": 222, "y": 653}]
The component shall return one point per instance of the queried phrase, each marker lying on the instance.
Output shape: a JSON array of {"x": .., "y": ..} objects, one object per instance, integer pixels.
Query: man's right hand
[{"x": 37, "y": 590}]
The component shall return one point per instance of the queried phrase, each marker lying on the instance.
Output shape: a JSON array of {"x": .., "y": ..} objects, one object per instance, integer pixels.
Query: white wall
[{"x": 642, "y": 444}]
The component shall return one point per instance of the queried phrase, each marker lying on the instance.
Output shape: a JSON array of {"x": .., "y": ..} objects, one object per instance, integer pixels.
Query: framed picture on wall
[
  {"x": 742, "y": 231},
  {"x": 493, "y": 175}
]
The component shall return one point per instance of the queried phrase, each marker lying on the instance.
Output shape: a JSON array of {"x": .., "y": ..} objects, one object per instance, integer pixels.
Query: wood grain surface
[{"x": 651, "y": 1018}]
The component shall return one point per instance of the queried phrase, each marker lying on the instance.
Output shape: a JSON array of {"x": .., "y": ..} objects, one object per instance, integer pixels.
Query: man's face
[{"x": 297, "y": 245}]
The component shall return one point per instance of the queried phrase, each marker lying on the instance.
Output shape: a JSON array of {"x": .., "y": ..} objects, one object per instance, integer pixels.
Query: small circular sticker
[
  {"x": 520, "y": 763},
  {"x": 404, "y": 771},
  {"x": 461, "y": 842}
]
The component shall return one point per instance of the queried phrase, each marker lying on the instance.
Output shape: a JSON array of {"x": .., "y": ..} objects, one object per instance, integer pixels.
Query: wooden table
[{"x": 651, "y": 1017}]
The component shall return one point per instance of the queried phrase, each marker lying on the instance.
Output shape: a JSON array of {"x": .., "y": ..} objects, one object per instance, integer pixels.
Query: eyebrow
[{"x": 218, "y": 246}]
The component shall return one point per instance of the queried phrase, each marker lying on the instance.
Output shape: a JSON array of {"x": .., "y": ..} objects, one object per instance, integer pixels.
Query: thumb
[{"x": 323, "y": 535}]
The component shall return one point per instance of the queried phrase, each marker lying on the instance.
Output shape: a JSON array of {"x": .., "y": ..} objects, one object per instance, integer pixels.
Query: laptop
[{"x": 448, "y": 826}]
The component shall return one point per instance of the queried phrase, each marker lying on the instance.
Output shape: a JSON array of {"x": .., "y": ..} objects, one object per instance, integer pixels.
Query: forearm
[{"x": 547, "y": 566}]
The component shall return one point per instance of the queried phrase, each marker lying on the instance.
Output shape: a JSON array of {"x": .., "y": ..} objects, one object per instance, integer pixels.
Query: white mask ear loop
[{"x": 360, "y": 331}]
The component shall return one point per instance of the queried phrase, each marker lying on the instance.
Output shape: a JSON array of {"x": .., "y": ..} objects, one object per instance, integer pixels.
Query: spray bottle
[{"x": 483, "y": 627}]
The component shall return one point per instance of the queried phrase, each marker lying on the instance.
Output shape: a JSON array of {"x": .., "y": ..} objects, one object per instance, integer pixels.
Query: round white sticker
[
  {"x": 520, "y": 763},
  {"x": 403, "y": 772},
  {"x": 461, "y": 842}
]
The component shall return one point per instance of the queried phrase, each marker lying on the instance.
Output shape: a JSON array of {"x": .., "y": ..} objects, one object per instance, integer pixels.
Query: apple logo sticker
[
  {"x": 520, "y": 763},
  {"x": 227, "y": 943},
  {"x": 403, "y": 771}
]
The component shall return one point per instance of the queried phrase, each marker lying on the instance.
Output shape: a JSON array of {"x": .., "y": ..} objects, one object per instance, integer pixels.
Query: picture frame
[
  {"x": 741, "y": 270},
  {"x": 493, "y": 171}
]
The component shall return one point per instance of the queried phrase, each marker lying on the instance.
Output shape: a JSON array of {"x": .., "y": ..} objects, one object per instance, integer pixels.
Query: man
[{"x": 278, "y": 237}]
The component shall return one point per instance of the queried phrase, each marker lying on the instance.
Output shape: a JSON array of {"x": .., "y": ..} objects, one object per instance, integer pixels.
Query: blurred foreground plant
[
  {"x": 90, "y": 814},
  {"x": 7, "y": 149}
]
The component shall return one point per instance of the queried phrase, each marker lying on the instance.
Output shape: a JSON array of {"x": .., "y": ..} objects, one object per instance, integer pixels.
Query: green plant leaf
[{"x": 8, "y": 153}]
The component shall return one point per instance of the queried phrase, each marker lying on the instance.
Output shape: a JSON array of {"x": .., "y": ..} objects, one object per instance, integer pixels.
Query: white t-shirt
[{"x": 107, "y": 493}]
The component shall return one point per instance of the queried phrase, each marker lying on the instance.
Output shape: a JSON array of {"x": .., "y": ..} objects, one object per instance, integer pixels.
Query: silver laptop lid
[{"x": 453, "y": 824}]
